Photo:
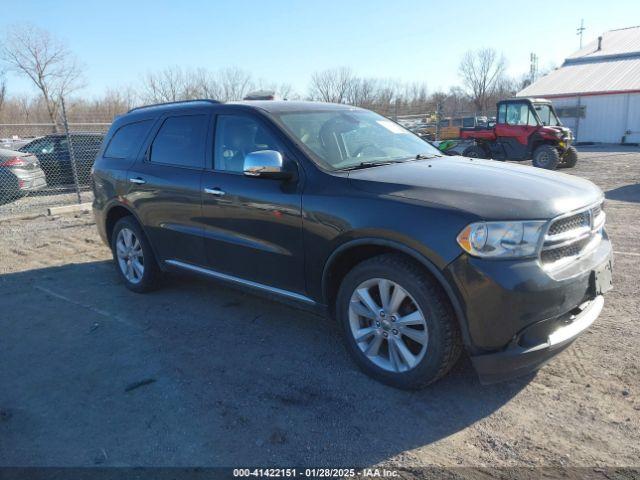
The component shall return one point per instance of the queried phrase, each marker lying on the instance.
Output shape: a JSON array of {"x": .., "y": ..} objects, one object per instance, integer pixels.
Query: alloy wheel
[
  {"x": 388, "y": 325},
  {"x": 130, "y": 256}
]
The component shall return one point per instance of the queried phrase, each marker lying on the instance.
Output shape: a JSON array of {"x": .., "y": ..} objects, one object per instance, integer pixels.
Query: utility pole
[
  {"x": 580, "y": 29},
  {"x": 533, "y": 67}
]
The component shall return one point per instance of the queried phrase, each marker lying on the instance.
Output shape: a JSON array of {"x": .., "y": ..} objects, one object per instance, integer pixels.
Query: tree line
[{"x": 56, "y": 73}]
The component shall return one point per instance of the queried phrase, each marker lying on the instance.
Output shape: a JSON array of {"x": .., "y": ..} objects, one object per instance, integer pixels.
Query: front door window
[{"x": 520, "y": 114}]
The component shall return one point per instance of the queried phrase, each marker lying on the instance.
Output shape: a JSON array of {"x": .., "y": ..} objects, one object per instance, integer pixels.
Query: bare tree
[
  {"x": 235, "y": 83},
  {"x": 364, "y": 92},
  {"x": 333, "y": 85},
  {"x": 206, "y": 83},
  {"x": 481, "y": 71},
  {"x": 46, "y": 61},
  {"x": 166, "y": 85},
  {"x": 114, "y": 102},
  {"x": 173, "y": 84}
]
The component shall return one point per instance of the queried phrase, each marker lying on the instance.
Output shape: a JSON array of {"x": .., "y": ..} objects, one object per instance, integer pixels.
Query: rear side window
[
  {"x": 127, "y": 140},
  {"x": 181, "y": 141}
]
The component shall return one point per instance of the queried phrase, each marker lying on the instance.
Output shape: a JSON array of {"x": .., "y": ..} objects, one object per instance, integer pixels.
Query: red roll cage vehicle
[{"x": 526, "y": 129}]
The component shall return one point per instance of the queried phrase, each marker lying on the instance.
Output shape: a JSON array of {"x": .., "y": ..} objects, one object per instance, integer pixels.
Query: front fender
[{"x": 418, "y": 254}]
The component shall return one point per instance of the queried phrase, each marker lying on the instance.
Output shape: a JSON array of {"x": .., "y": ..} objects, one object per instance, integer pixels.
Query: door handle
[
  {"x": 215, "y": 191},
  {"x": 138, "y": 180}
]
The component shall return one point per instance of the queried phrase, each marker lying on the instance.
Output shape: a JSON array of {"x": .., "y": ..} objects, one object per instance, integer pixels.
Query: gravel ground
[
  {"x": 38, "y": 202},
  {"x": 198, "y": 374}
]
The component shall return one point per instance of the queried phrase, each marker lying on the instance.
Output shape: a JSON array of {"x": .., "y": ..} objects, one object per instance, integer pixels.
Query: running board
[{"x": 239, "y": 281}]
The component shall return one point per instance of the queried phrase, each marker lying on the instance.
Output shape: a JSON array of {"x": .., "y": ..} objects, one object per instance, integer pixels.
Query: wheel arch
[
  {"x": 115, "y": 212},
  {"x": 538, "y": 140},
  {"x": 355, "y": 251}
]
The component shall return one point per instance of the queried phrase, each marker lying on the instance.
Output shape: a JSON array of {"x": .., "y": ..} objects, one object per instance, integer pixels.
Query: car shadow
[
  {"x": 626, "y": 193},
  {"x": 198, "y": 374}
]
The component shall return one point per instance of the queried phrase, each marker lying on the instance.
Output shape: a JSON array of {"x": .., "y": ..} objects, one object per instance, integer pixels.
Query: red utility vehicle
[{"x": 526, "y": 129}]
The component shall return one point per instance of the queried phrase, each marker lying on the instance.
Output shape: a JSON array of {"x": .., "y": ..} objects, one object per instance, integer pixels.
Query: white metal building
[{"x": 597, "y": 89}]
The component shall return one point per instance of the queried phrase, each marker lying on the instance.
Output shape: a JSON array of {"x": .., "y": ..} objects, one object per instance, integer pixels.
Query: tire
[
  {"x": 425, "y": 306},
  {"x": 474, "y": 151},
  {"x": 135, "y": 252},
  {"x": 547, "y": 157},
  {"x": 569, "y": 159}
]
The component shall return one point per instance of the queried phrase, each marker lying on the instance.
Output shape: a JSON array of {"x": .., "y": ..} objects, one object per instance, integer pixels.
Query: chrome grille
[
  {"x": 572, "y": 235},
  {"x": 569, "y": 223},
  {"x": 571, "y": 250}
]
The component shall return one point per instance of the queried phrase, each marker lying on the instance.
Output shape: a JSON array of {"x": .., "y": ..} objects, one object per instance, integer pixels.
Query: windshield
[
  {"x": 345, "y": 139},
  {"x": 546, "y": 114}
]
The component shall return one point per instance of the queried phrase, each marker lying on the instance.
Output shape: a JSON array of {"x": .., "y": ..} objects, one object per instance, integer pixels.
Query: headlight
[{"x": 501, "y": 239}]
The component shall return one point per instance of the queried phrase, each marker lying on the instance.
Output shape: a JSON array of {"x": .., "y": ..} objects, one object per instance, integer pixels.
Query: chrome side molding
[{"x": 240, "y": 281}]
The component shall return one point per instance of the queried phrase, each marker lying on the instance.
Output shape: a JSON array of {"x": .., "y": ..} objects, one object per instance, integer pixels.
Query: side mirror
[
  {"x": 264, "y": 164},
  {"x": 491, "y": 124}
]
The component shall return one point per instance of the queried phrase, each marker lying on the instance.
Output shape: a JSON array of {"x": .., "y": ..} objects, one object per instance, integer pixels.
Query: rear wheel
[
  {"x": 474, "y": 151},
  {"x": 133, "y": 257},
  {"x": 397, "y": 324},
  {"x": 546, "y": 156},
  {"x": 569, "y": 159}
]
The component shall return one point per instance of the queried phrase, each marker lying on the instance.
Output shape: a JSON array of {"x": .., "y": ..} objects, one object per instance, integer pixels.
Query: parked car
[
  {"x": 19, "y": 173},
  {"x": 416, "y": 255},
  {"x": 14, "y": 143},
  {"x": 53, "y": 152}
]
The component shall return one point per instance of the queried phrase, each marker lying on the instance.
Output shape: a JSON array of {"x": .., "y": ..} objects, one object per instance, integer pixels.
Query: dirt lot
[{"x": 201, "y": 374}]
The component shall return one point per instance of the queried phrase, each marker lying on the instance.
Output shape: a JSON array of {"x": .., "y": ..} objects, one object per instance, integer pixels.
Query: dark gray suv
[{"x": 418, "y": 256}]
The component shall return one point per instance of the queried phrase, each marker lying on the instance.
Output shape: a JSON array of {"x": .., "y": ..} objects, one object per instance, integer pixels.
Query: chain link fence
[{"x": 45, "y": 165}]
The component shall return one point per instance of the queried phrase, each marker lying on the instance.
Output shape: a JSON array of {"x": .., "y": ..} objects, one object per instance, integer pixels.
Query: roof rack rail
[{"x": 175, "y": 103}]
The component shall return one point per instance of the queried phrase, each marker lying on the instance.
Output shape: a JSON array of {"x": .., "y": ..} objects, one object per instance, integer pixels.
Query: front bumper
[
  {"x": 518, "y": 315},
  {"x": 519, "y": 358}
]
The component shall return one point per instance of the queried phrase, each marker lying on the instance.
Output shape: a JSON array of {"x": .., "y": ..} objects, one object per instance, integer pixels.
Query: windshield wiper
[
  {"x": 424, "y": 156},
  {"x": 362, "y": 165}
]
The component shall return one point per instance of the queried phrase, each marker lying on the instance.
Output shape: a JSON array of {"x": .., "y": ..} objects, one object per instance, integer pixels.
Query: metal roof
[
  {"x": 612, "y": 68},
  {"x": 614, "y": 42}
]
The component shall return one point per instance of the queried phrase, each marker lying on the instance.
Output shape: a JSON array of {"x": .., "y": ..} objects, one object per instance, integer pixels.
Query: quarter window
[
  {"x": 181, "y": 142},
  {"x": 127, "y": 140}
]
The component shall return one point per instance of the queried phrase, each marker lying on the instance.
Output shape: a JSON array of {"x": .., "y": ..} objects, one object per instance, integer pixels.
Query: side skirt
[{"x": 285, "y": 294}]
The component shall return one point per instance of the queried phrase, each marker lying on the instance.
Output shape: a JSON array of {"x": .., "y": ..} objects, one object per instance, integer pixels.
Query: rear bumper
[
  {"x": 32, "y": 181},
  {"x": 519, "y": 359},
  {"x": 98, "y": 215}
]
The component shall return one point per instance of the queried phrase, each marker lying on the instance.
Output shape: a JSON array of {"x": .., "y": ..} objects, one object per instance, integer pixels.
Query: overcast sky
[{"x": 285, "y": 41}]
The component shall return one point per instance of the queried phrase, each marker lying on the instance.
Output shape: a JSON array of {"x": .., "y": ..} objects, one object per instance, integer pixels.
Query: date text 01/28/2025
[{"x": 314, "y": 472}]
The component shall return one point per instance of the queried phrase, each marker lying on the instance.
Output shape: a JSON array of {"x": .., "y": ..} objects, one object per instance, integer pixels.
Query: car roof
[
  {"x": 282, "y": 106},
  {"x": 270, "y": 106},
  {"x": 525, "y": 99}
]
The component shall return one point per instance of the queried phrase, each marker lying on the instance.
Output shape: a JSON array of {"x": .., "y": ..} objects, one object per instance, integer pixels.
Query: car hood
[{"x": 489, "y": 189}]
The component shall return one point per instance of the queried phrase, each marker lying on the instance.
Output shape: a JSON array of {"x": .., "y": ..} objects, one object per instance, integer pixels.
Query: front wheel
[
  {"x": 547, "y": 157},
  {"x": 397, "y": 324},
  {"x": 569, "y": 159}
]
